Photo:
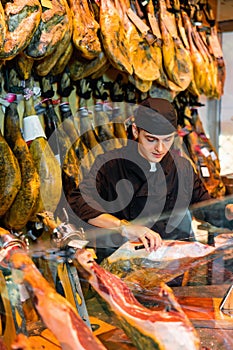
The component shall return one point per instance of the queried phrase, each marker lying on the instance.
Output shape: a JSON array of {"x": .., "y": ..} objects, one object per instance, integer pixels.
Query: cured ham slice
[
  {"x": 56, "y": 312},
  {"x": 176, "y": 57},
  {"x": 114, "y": 37},
  {"x": 146, "y": 328}
]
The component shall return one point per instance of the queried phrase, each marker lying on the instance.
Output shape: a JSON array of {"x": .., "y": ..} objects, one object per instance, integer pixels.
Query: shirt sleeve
[
  {"x": 200, "y": 192},
  {"x": 212, "y": 212},
  {"x": 85, "y": 201}
]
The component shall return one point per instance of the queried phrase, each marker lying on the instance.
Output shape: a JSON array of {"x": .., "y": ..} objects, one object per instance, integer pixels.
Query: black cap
[{"x": 157, "y": 116}]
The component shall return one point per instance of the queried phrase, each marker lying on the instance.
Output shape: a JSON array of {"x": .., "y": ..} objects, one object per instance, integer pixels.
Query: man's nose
[{"x": 159, "y": 146}]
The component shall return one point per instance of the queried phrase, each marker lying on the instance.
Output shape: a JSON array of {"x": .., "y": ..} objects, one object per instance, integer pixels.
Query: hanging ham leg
[
  {"x": 114, "y": 38},
  {"x": 215, "y": 47},
  {"x": 22, "y": 19},
  {"x": 10, "y": 176},
  {"x": 2, "y": 26},
  {"x": 210, "y": 87},
  {"x": 199, "y": 64},
  {"x": 25, "y": 201},
  {"x": 144, "y": 65},
  {"x": 54, "y": 24},
  {"x": 176, "y": 57},
  {"x": 85, "y": 29}
]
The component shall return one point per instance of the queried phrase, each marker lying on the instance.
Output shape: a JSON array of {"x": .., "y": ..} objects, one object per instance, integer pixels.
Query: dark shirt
[{"x": 121, "y": 183}]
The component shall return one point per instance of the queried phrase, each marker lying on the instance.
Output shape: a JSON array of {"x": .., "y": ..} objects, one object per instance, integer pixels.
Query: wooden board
[
  {"x": 116, "y": 339},
  {"x": 99, "y": 326},
  {"x": 111, "y": 336},
  {"x": 46, "y": 340},
  {"x": 205, "y": 312}
]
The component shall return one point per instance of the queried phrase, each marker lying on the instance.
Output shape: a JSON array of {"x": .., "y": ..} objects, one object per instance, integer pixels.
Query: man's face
[{"x": 153, "y": 147}]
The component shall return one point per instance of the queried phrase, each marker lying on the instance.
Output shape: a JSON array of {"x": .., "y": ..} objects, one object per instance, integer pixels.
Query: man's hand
[
  {"x": 149, "y": 238},
  {"x": 229, "y": 211}
]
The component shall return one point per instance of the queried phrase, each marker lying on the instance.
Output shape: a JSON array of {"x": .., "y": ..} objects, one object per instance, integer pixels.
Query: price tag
[
  {"x": 213, "y": 155},
  {"x": 205, "y": 152},
  {"x": 32, "y": 128},
  {"x": 205, "y": 171}
]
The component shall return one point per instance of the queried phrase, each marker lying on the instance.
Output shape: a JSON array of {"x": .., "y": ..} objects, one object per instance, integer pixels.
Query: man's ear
[{"x": 135, "y": 131}]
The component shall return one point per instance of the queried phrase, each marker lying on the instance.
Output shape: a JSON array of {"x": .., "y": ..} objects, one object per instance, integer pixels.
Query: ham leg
[
  {"x": 56, "y": 312},
  {"x": 147, "y": 329}
]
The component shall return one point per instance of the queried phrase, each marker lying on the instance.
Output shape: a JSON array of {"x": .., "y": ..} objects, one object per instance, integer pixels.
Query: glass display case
[
  {"x": 201, "y": 279},
  {"x": 199, "y": 274}
]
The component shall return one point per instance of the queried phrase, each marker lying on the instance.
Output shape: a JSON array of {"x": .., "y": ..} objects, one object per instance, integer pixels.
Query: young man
[{"x": 143, "y": 191}]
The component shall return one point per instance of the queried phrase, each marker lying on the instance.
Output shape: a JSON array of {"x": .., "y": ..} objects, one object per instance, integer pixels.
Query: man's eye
[{"x": 150, "y": 139}]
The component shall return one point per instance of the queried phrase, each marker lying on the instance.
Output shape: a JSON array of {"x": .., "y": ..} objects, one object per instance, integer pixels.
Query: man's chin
[{"x": 156, "y": 159}]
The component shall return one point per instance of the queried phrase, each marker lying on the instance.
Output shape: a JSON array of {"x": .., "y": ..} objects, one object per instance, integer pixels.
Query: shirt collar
[{"x": 153, "y": 167}]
